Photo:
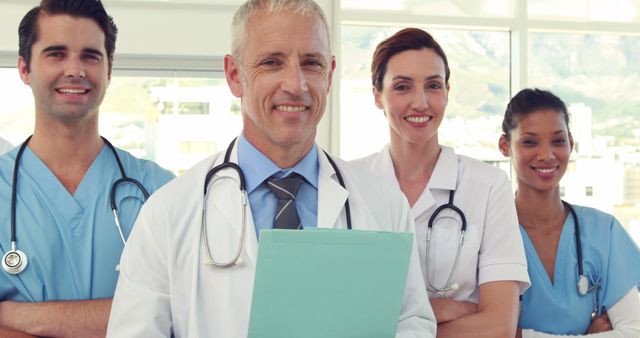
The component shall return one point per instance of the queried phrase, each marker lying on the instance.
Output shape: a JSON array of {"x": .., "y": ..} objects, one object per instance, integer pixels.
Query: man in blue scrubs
[{"x": 63, "y": 220}]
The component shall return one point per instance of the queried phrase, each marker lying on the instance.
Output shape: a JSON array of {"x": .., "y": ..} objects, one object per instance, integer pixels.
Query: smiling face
[
  {"x": 540, "y": 146},
  {"x": 69, "y": 68},
  {"x": 284, "y": 79},
  {"x": 414, "y": 96}
]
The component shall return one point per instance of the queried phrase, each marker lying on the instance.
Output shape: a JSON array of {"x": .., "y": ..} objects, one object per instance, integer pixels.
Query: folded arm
[
  {"x": 8, "y": 333},
  {"x": 83, "y": 318},
  {"x": 497, "y": 314},
  {"x": 447, "y": 310},
  {"x": 623, "y": 315}
]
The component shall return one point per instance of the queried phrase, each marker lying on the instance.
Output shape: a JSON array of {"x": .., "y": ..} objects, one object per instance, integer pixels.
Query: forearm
[
  {"x": 447, "y": 310},
  {"x": 497, "y": 314},
  {"x": 624, "y": 317},
  {"x": 8, "y": 333},
  {"x": 86, "y": 318},
  {"x": 481, "y": 324}
]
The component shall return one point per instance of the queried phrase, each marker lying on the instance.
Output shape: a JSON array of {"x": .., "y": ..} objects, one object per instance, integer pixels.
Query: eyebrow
[
  {"x": 407, "y": 78},
  {"x": 281, "y": 54},
  {"x": 58, "y": 48},
  {"x": 554, "y": 133}
]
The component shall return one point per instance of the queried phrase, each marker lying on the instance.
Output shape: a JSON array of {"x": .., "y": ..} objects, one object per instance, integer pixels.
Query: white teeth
[
  {"x": 290, "y": 108},
  {"x": 72, "y": 91},
  {"x": 418, "y": 119},
  {"x": 545, "y": 171}
]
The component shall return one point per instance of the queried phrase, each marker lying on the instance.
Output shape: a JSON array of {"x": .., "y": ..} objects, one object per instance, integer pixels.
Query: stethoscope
[
  {"x": 447, "y": 286},
  {"x": 15, "y": 261},
  {"x": 227, "y": 164},
  {"x": 583, "y": 285}
]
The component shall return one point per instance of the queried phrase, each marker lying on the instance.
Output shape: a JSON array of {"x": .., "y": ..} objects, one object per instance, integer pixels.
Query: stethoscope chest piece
[
  {"x": 14, "y": 262},
  {"x": 583, "y": 285}
]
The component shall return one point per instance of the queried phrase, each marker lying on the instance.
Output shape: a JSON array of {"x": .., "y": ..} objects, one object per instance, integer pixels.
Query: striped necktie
[{"x": 285, "y": 190}]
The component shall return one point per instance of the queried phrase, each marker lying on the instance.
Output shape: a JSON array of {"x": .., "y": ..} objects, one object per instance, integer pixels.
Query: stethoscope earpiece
[{"x": 14, "y": 262}]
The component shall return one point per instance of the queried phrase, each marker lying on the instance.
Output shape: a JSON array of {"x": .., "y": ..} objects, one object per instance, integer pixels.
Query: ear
[
  {"x": 232, "y": 73},
  {"x": 571, "y": 142},
  {"x": 333, "y": 68},
  {"x": 377, "y": 97},
  {"x": 503, "y": 145},
  {"x": 22, "y": 69}
]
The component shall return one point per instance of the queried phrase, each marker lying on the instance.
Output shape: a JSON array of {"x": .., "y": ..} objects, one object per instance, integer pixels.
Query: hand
[
  {"x": 447, "y": 310},
  {"x": 600, "y": 324}
]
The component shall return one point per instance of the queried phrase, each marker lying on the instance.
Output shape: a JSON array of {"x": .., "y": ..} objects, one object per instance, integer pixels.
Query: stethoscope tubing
[
  {"x": 112, "y": 196},
  {"x": 227, "y": 164},
  {"x": 447, "y": 286}
]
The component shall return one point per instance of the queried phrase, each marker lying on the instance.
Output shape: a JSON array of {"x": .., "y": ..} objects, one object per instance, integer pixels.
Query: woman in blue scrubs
[{"x": 537, "y": 138}]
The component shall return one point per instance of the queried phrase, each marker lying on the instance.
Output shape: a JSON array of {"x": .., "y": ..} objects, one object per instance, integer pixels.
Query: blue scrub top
[
  {"x": 610, "y": 256},
  {"x": 71, "y": 241}
]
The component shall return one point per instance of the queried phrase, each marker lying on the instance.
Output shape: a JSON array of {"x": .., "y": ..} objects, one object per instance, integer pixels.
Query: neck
[
  {"x": 285, "y": 156},
  {"x": 67, "y": 150},
  {"x": 414, "y": 161},
  {"x": 539, "y": 209}
]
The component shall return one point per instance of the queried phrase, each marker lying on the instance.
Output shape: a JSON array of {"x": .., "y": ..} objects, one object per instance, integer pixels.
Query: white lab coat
[
  {"x": 165, "y": 287},
  {"x": 492, "y": 248}
]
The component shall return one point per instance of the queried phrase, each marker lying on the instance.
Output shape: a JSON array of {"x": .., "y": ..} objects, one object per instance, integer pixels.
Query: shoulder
[
  {"x": 7, "y": 162},
  {"x": 367, "y": 183},
  {"x": 188, "y": 184},
  {"x": 479, "y": 171},
  {"x": 148, "y": 172},
  {"x": 367, "y": 162},
  {"x": 594, "y": 220},
  {"x": 473, "y": 176}
]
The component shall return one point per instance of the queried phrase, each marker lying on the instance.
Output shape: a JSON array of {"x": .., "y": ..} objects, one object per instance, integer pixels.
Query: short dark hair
[
  {"x": 406, "y": 39},
  {"x": 528, "y": 101},
  {"x": 91, "y": 9}
]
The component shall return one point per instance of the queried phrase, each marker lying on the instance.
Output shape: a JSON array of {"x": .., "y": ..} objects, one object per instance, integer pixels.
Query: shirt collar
[
  {"x": 445, "y": 173},
  {"x": 257, "y": 167}
]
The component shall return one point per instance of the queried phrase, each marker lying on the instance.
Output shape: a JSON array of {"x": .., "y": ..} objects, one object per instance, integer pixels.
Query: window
[
  {"x": 479, "y": 62},
  {"x": 586, "y": 51},
  {"x": 176, "y": 122},
  {"x": 588, "y": 191}
]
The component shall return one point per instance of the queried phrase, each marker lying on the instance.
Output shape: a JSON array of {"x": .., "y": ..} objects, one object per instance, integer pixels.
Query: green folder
[{"x": 329, "y": 283}]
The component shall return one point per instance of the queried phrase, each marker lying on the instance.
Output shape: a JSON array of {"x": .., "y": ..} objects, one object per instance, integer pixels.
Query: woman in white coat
[{"x": 473, "y": 287}]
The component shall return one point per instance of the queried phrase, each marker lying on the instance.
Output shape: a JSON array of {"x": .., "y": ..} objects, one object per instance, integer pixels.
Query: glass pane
[
  {"x": 598, "y": 76},
  {"x": 479, "y": 62},
  {"x": 174, "y": 121},
  {"x": 455, "y": 8},
  {"x": 585, "y": 10},
  {"x": 17, "y": 113}
]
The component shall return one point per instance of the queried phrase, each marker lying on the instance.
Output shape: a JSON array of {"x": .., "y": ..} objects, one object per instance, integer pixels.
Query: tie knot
[{"x": 285, "y": 188}]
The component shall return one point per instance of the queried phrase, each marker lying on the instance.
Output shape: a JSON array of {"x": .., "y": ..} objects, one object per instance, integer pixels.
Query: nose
[
  {"x": 545, "y": 153},
  {"x": 74, "y": 68},
  {"x": 295, "y": 81},
  {"x": 420, "y": 100}
]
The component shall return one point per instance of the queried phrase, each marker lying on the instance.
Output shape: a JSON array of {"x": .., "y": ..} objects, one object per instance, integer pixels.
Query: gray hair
[{"x": 241, "y": 18}]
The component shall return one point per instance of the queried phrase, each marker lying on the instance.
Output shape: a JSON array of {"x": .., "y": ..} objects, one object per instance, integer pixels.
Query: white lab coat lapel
[
  {"x": 443, "y": 177},
  {"x": 331, "y": 196}
]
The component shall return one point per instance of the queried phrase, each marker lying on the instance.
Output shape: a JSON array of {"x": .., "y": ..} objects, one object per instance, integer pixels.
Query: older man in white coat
[{"x": 281, "y": 67}]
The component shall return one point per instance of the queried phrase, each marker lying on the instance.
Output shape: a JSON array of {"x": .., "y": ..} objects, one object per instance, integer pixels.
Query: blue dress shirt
[{"x": 258, "y": 168}]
